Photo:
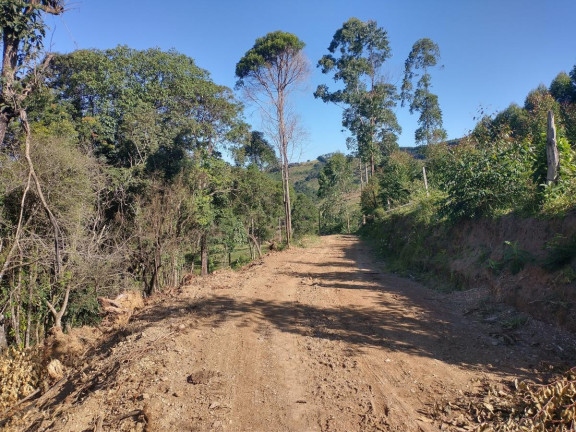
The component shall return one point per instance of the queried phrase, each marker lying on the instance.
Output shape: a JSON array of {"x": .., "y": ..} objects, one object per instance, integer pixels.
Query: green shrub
[
  {"x": 485, "y": 181},
  {"x": 561, "y": 252}
]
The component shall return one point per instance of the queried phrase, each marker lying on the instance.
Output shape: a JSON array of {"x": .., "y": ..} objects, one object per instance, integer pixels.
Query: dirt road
[{"x": 315, "y": 339}]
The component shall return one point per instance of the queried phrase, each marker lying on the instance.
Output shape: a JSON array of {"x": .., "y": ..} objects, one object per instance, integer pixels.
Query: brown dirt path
[{"x": 316, "y": 339}]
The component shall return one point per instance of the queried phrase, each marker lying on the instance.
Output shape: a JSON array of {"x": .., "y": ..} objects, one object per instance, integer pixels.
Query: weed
[
  {"x": 484, "y": 255},
  {"x": 562, "y": 252},
  {"x": 515, "y": 257},
  {"x": 495, "y": 266},
  {"x": 514, "y": 322}
]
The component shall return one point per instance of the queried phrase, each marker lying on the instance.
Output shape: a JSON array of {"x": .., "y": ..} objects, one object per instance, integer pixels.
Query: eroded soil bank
[{"x": 316, "y": 339}]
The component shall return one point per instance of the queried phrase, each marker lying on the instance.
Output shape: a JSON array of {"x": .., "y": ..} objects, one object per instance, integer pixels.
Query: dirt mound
[{"x": 69, "y": 348}]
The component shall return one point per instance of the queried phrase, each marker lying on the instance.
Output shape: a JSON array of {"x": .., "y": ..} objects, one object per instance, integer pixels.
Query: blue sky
[{"x": 493, "y": 51}]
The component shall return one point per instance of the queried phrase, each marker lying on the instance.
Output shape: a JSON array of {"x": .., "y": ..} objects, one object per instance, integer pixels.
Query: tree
[
  {"x": 396, "y": 178},
  {"x": 357, "y": 52},
  {"x": 144, "y": 109},
  {"x": 424, "y": 55},
  {"x": 256, "y": 199},
  {"x": 562, "y": 89},
  {"x": 22, "y": 31},
  {"x": 335, "y": 183},
  {"x": 257, "y": 151},
  {"x": 269, "y": 72},
  {"x": 305, "y": 215}
]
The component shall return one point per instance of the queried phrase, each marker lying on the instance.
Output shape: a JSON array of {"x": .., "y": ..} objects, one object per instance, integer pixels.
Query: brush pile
[
  {"x": 524, "y": 406},
  {"x": 21, "y": 374}
]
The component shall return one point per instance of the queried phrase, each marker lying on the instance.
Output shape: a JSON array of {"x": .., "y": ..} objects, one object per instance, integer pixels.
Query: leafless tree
[{"x": 268, "y": 74}]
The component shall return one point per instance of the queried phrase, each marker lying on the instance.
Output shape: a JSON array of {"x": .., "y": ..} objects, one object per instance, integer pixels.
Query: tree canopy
[
  {"x": 358, "y": 51},
  {"x": 424, "y": 55},
  {"x": 269, "y": 72}
]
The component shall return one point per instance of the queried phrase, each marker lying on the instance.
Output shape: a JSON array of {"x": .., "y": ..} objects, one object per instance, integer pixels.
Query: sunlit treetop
[{"x": 267, "y": 51}]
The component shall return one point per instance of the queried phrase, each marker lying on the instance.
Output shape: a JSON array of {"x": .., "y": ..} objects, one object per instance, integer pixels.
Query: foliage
[
  {"x": 335, "y": 184},
  {"x": 357, "y": 53},
  {"x": 143, "y": 109},
  {"x": 256, "y": 151},
  {"x": 305, "y": 216},
  {"x": 269, "y": 72},
  {"x": 561, "y": 252},
  {"x": 22, "y": 30},
  {"x": 515, "y": 257},
  {"x": 396, "y": 178},
  {"x": 370, "y": 201},
  {"x": 558, "y": 197},
  {"x": 256, "y": 201},
  {"x": 125, "y": 144},
  {"x": 269, "y": 50},
  {"x": 424, "y": 55},
  {"x": 485, "y": 181},
  {"x": 562, "y": 89}
]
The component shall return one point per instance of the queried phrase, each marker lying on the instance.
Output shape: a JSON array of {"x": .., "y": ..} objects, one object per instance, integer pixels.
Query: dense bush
[{"x": 486, "y": 180}]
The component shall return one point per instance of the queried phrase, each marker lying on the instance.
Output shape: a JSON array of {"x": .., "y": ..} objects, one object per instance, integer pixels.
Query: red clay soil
[{"x": 315, "y": 339}]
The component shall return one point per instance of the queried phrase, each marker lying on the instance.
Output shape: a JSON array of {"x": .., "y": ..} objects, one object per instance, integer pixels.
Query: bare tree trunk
[
  {"x": 204, "y": 254},
  {"x": 4, "y": 120},
  {"x": 286, "y": 190},
  {"x": 29, "y": 311},
  {"x": 17, "y": 303},
  {"x": 256, "y": 245},
  {"x": 153, "y": 284},
  {"x": 250, "y": 247},
  {"x": 9, "y": 65},
  {"x": 16, "y": 243},
  {"x": 3, "y": 340},
  {"x": 348, "y": 221},
  {"x": 280, "y": 229},
  {"x": 51, "y": 217},
  {"x": 59, "y": 314},
  {"x": 425, "y": 180},
  {"x": 552, "y": 151}
]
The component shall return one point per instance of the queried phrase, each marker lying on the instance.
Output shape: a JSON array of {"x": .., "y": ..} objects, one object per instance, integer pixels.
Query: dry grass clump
[
  {"x": 541, "y": 408},
  {"x": 21, "y": 373},
  {"x": 524, "y": 406}
]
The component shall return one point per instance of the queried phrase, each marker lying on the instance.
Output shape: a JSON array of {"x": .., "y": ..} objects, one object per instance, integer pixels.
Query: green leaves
[
  {"x": 357, "y": 52},
  {"x": 267, "y": 50},
  {"x": 424, "y": 55},
  {"x": 142, "y": 108},
  {"x": 482, "y": 181}
]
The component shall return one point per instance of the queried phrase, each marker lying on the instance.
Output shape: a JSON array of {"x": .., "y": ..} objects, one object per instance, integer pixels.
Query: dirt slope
[{"x": 316, "y": 339}]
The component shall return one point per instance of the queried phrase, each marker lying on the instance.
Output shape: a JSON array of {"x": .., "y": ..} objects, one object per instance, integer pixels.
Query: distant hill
[
  {"x": 304, "y": 176},
  {"x": 418, "y": 151}
]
